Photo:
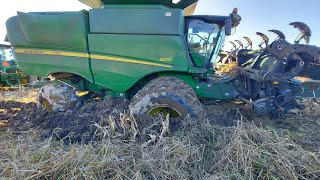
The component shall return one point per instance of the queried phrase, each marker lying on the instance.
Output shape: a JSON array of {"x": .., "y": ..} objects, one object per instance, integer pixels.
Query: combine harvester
[
  {"x": 158, "y": 55},
  {"x": 10, "y": 73}
]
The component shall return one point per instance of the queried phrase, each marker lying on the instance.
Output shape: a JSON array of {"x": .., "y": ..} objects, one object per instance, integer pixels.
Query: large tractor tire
[
  {"x": 167, "y": 95},
  {"x": 57, "y": 97}
]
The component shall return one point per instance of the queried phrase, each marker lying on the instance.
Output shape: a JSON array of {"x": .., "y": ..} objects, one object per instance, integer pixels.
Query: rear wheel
[
  {"x": 167, "y": 95},
  {"x": 57, "y": 97},
  {"x": 32, "y": 79}
]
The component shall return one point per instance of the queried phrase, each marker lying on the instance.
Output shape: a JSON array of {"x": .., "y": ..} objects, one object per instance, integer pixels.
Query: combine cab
[{"x": 155, "y": 53}]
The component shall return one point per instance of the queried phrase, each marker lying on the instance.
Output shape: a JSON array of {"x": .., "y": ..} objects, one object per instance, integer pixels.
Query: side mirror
[{"x": 227, "y": 26}]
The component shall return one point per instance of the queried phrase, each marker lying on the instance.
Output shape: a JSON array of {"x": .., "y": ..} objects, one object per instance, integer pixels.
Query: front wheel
[{"x": 167, "y": 95}]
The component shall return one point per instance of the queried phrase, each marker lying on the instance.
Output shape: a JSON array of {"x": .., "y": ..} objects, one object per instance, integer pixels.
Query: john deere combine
[
  {"x": 10, "y": 73},
  {"x": 158, "y": 55}
]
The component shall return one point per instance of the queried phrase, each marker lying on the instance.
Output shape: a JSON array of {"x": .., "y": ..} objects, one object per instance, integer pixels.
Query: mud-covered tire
[
  {"x": 32, "y": 79},
  {"x": 57, "y": 97},
  {"x": 167, "y": 92}
]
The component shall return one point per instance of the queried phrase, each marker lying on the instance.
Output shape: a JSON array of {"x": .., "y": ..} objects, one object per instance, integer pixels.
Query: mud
[
  {"x": 10, "y": 111},
  {"x": 78, "y": 125}
]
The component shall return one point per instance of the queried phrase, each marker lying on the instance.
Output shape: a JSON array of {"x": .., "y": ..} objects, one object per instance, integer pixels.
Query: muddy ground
[
  {"x": 77, "y": 124},
  {"x": 22, "y": 115}
]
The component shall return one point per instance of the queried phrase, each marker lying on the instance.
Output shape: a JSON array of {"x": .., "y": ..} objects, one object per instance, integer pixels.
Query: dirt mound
[
  {"x": 218, "y": 114},
  {"x": 77, "y": 124},
  {"x": 9, "y": 110},
  {"x": 81, "y": 125}
]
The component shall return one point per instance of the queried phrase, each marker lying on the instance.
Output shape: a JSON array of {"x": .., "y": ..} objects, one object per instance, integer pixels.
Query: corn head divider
[{"x": 161, "y": 57}]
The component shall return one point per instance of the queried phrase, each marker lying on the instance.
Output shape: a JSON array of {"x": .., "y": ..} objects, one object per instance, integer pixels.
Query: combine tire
[
  {"x": 167, "y": 95},
  {"x": 32, "y": 79},
  {"x": 57, "y": 97}
]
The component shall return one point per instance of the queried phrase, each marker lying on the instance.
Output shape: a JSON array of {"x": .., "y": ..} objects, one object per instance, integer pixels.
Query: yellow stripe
[
  {"x": 110, "y": 58},
  {"x": 84, "y": 55},
  {"x": 48, "y": 52}
]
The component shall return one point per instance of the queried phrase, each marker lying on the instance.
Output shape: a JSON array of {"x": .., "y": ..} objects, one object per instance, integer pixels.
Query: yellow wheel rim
[
  {"x": 164, "y": 110},
  {"x": 47, "y": 105},
  {"x": 24, "y": 81}
]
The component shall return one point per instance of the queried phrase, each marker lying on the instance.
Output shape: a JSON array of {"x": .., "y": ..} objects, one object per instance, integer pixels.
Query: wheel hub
[{"x": 164, "y": 110}]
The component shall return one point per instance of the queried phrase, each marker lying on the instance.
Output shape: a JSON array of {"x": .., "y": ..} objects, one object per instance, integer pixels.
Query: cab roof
[
  {"x": 210, "y": 19},
  {"x": 182, "y": 4}
]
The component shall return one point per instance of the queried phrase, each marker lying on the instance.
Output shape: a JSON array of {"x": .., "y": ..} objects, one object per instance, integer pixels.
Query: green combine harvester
[
  {"x": 153, "y": 52},
  {"x": 10, "y": 73}
]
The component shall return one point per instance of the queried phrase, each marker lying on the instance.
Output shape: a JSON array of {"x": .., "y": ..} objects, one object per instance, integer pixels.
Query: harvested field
[{"x": 231, "y": 143}]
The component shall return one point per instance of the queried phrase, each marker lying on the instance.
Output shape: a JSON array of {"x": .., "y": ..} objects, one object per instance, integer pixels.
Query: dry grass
[
  {"x": 229, "y": 69},
  {"x": 194, "y": 152},
  {"x": 23, "y": 94},
  {"x": 312, "y": 107}
]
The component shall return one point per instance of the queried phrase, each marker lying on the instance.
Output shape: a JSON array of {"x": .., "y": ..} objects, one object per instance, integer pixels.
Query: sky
[
  {"x": 257, "y": 15},
  {"x": 262, "y": 15}
]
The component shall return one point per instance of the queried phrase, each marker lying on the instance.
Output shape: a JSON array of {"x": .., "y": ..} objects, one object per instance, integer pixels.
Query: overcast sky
[{"x": 257, "y": 15}]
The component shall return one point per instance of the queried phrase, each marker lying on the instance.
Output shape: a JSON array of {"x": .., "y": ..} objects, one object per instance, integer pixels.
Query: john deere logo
[{"x": 30, "y": 51}]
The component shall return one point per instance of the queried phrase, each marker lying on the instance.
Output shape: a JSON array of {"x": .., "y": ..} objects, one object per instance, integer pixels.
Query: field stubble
[{"x": 99, "y": 141}]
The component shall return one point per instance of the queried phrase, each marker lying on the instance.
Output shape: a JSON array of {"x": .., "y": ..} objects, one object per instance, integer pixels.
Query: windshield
[{"x": 202, "y": 37}]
